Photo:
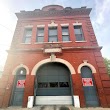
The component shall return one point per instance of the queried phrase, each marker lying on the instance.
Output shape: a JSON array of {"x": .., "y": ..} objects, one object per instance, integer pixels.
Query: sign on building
[
  {"x": 87, "y": 81},
  {"x": 20, "y": 83}
]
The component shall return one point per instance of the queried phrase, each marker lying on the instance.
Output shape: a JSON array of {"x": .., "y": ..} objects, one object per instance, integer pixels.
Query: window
[
  {"x": 40, "y": 35},
  {"x": 63, "y": 84},
  {"x": 43, "y": 85},
  {"x": 78, "y": 33},
  {"x": 52, "y": 34},
  {"x": 27, "y": 35},
  {"x": 53, "y": 84},
  {"x": 65, "y": 34}
]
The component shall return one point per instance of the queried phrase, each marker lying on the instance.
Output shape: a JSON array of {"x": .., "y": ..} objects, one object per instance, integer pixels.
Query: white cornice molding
[
  {"x": 28, "y": 26},
  {"x": 64, "y": 25},
  {"x": 77, "y": 24},
  {"x": 40, "y": 26},
  {"x": 52, "y": 24}
]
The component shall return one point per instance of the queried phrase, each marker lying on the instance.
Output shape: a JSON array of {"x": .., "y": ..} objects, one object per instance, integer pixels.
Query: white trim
[
  {"x": 81, "y": 41},
  {"x": 76, "y": 101},
  {"x": 53, "y": 100},
  {"x": 29, "y": 26},
  {"x": 25, "y": 43},
  {"x": 86, "y": 64},
  {"x": 52, "y": 24},
  {"x": 40, "y": 26},
  {"x": 64, "y": 25},
  {"x": 52, "y": 42},
  {"x": 53, "y": 50},
  {"x": 20, "y": 66},
  {"x": 77, "y": 24},
  {"x": 38, "y": 42},
  {"x": 36, "y": 67}
]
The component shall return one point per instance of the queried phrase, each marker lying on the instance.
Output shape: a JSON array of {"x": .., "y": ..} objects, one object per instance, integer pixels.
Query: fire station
[{"x": 54, "y": 57}]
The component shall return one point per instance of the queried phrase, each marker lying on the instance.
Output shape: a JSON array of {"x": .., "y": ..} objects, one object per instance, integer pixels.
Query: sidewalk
[{"x": 54, "y": 108}]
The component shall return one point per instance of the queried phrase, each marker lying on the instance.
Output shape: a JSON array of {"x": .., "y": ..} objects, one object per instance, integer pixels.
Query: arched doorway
[
  {"x": 18, "y": 89},
  {"x": 89, "y": 87},
  {"x": 53, "y": 85}
]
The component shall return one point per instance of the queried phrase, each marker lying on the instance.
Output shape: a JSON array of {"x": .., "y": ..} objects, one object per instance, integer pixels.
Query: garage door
[{"x": 53, "y": 85}]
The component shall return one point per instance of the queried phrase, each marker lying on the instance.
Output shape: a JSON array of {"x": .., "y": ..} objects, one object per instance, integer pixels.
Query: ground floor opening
[{"x": 53, "y": 85}]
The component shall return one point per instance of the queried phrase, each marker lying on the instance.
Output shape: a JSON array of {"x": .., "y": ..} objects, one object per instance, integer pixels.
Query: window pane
[
  {"x": 78, "y": 29},
  {"x": 52, "y": 31},
  {"x": 65, "y": 31},
  {"x": 42, "y": 85},
  {"x": 28, "y": 32},
  {"x": 40, "y": 32},
  {"x": 53, "y": 39},
  {"x": 53, "y": 84},
  {"x": 27, "y": 40},
  {"x": 27, "y": 35},
  {"x": 63, "y": 84},
  {"x": 79, "y": 37},
  {"x": 65, "y": 38},
  {"x": 40, "y": 39}
]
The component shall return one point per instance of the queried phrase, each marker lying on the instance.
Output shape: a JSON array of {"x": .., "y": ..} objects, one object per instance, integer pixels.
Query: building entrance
[
  {"x": 53, "y": 85},
  {"x": 90, "y": 92},
  {"x": 18, "y": 89}
]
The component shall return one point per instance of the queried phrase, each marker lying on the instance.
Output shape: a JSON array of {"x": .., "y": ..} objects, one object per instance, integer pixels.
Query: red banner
[
  {"x": 20, "y": 83},
  {"x": 87, "y": 81}
]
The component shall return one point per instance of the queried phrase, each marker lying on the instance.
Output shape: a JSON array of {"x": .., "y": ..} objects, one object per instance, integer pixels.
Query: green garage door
[{"x": 53, "y": 79}]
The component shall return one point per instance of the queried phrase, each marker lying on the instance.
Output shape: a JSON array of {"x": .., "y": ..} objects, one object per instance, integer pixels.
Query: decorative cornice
[
  {"x": 52, "y": 24},
  {"x": 52, "y": 47},
  {"x": 64, "y": 12},
  {"x": 83, "y": 48}
]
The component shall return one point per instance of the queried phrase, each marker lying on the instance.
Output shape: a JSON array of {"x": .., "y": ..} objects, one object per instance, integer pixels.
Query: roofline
[{"x": 42, "y": 14}]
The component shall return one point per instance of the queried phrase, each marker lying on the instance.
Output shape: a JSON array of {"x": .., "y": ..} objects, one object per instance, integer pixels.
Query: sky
[{"x": 100, "y": 17}]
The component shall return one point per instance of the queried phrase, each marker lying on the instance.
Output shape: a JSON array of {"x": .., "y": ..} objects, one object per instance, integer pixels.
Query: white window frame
[{"x": 27, "y": 36}]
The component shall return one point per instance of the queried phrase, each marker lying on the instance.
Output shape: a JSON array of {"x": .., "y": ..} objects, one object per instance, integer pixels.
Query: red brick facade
[{"x": 73, "y": 52}]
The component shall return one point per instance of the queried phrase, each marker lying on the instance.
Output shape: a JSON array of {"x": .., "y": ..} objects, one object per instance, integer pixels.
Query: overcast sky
[{"x": 100, "y": 17}]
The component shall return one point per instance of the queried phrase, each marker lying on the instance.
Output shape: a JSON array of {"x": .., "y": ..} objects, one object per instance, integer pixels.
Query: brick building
[{"x": 54, "y": 56}]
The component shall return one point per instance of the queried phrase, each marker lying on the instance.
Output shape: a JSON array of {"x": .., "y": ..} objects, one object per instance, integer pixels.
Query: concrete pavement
[{"x": 54, "y": 108}]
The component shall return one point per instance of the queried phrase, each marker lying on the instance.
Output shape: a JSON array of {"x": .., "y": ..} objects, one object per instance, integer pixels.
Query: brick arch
[
  {"x": 86, "y": 64},
  {"x": 36, "y": 67},
  {"x": 20, "y": 66}
]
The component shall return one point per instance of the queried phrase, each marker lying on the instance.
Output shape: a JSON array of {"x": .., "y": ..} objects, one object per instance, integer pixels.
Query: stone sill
[{"x": 80, "y": 41}]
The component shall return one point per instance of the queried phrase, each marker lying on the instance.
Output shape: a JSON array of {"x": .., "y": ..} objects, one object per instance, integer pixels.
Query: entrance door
[
  {"x": 19, "y": 83},
  {"x": 89, "y": 89},
  {"x": 53, "y": 85}
]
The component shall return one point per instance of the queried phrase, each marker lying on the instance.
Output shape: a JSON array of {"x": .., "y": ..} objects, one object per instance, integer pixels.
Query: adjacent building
[{"x": 55, "y": 57}]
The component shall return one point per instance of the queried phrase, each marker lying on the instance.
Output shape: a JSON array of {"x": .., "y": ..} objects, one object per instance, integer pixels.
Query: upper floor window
[
  {"x": 53, "y": 34},
  {"x": 65, "y": 34},
  {"x": 78, "y": 33},
  {"x": 40, "y": 35},
  {"x": 27, "y": 35}
]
